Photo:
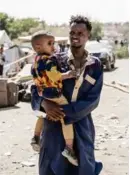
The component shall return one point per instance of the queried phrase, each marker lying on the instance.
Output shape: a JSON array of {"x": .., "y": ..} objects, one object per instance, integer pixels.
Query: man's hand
[{"x": 53, "y": 110}]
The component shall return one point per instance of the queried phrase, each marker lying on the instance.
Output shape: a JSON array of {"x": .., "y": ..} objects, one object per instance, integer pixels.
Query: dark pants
[
  {"x": 50, "y": 172},
  {"x": 1, "y": 70},
  {"x": 98, "y": 169},
  {"x": 69, "y": 170}
]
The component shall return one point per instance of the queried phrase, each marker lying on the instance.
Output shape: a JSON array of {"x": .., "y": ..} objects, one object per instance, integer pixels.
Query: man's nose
[{"x": 75, "y": 36}]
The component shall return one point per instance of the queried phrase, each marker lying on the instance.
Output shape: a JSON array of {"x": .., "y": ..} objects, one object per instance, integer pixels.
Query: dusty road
[
  {"x": 120, "y": 74},
  {"x": 110, "y": 118}
]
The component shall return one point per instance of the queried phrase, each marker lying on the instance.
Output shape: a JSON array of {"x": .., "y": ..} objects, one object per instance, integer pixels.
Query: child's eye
[{"x": 50, "y": 43}]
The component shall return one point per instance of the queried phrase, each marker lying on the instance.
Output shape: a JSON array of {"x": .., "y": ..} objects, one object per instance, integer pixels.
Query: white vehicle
[{"x": 102, "y": 50}]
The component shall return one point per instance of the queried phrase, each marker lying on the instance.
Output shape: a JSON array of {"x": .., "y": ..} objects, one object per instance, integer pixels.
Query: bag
[
  {"x": 12, "y": 93},
  {"x": 3, "y": 99},
  {"x": 3, "y": 92},
  {"x": 3, "y": 84}
]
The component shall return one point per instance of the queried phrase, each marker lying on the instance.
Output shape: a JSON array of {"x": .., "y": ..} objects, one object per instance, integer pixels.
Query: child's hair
[{"x": 40, "y": 34}]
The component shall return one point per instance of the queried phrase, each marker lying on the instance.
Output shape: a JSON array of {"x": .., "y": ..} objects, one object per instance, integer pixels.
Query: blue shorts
[{"x": 35, "y": 98}]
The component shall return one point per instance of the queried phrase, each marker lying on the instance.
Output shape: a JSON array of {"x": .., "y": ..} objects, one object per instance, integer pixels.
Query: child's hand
[{"x": 69, "y": 74}]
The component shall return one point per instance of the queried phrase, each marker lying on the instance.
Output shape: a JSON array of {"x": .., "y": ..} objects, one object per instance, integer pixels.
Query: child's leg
[
  {"x": 38, "y": 126},
  {"x": 69, "y": 137},
  {"x": 68, "y": 134},
  {"x": 36, "y": 139}
]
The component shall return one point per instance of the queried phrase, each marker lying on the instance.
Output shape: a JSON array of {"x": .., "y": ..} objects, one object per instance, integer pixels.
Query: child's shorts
[{"x": 35, "y": 99}]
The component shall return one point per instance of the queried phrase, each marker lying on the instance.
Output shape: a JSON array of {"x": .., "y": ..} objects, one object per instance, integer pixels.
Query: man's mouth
[{"x": 75, "y": 40}]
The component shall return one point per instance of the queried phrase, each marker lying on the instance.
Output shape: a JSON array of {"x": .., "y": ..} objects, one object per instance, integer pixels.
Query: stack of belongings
[{"x": 8, "y": 93}]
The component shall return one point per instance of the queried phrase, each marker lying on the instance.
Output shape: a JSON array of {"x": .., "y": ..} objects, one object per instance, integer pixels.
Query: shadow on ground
[
  {"x": 105, "y": 70},
  {"x": 9, "y": 108}
]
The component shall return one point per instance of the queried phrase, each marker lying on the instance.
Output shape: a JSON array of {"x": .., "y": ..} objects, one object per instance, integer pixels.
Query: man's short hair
[
  {"x": 81, "y": 19},
  {"x": 39, "y": 34}
]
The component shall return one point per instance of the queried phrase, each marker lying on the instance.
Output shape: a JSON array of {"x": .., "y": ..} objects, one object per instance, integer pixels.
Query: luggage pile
[{"x": 8, "y": 93}]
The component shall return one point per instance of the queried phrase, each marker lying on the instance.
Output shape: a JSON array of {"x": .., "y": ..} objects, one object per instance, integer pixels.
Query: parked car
[
  {"x": 25, "y": 48},
  {"x": 103, "y": 51}
]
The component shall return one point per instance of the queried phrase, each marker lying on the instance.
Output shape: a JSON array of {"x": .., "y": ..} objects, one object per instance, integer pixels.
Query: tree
[
  {"x": 4, "y": 22},
  {"x": 15, "y": 27},
  {"x": 96, "y": 31},
  {"x": 28, "y": 23},
  {"x": 43, "y": 24}
]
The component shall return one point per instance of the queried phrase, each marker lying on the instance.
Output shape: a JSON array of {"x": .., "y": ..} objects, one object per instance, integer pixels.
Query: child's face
[{"x": 44, "y": 45}]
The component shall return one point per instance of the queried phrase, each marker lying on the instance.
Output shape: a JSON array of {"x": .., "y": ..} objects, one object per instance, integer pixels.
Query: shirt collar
[
  {"x": 89, "y": 58},
  {"x": 71, "y": 57}
]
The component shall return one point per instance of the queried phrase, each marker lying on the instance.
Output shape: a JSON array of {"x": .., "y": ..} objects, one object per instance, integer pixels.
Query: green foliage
[
  {"x": 41, "y": 26},
  {"x": 15, "y": 27},
  {"x": 96, "y": 31},
  {"x": 27, "y": 23},
  {"x": 122, "y": 52},
  {"x": 4, "y": 21},
  {"x": 19, "y": 26}
]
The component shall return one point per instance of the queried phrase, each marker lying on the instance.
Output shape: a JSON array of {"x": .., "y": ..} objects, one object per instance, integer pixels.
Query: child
[{"x": 48, "y": 80}]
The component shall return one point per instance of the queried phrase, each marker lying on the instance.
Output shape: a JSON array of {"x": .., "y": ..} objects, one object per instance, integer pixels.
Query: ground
[{"x": 110, "y": 118}]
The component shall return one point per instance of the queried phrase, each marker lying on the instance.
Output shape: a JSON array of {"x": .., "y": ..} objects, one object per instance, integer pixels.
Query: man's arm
[{"x": 80, "y": 109}]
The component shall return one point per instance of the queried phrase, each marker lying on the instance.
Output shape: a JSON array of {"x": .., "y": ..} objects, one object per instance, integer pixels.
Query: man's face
[
  {"x": 44, "y": 45},
  {"x": 78, "y": 35}
]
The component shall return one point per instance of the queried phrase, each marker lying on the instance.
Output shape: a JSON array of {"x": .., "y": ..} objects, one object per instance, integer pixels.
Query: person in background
[
  {"x": 2, "y": 60},
  {"x": 67, "y": 48},
  {"x": 122, "y": 43}
]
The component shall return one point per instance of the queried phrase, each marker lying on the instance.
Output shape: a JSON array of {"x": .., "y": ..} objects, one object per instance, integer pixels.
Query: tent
[
  {"x": 25, "y": 38},
  {"x": 24, "y": 75},
  {"x": 4, "y": 39},
  {"x": 14, "y": 57}
]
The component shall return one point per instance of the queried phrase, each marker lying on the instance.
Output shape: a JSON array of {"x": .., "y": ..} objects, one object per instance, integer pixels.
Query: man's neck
[{"x": 78, "y": 53}]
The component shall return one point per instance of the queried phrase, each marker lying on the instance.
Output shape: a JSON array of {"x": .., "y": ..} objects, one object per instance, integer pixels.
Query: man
[
  {"x": 2, "y": 61},
  {"x": 83, "y": 96}
]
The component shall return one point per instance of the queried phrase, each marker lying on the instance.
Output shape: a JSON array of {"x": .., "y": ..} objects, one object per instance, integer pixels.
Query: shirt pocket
[{"x": 88, "y": 83}]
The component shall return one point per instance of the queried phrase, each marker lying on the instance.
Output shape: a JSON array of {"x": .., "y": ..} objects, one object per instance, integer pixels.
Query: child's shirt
[{"x": 47, "y": 76}]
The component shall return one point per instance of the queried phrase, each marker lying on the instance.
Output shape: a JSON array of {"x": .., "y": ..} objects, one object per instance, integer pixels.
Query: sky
[{"x": 59, "y": 11}]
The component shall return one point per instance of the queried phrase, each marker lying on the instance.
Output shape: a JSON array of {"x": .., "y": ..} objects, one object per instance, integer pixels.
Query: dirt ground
[{"x": 110, "y": 118}]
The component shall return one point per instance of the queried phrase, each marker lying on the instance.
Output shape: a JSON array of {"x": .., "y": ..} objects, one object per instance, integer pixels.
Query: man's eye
[
  {"x": 71, "y": 33},
  {"x": 80, "y": 33}
]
